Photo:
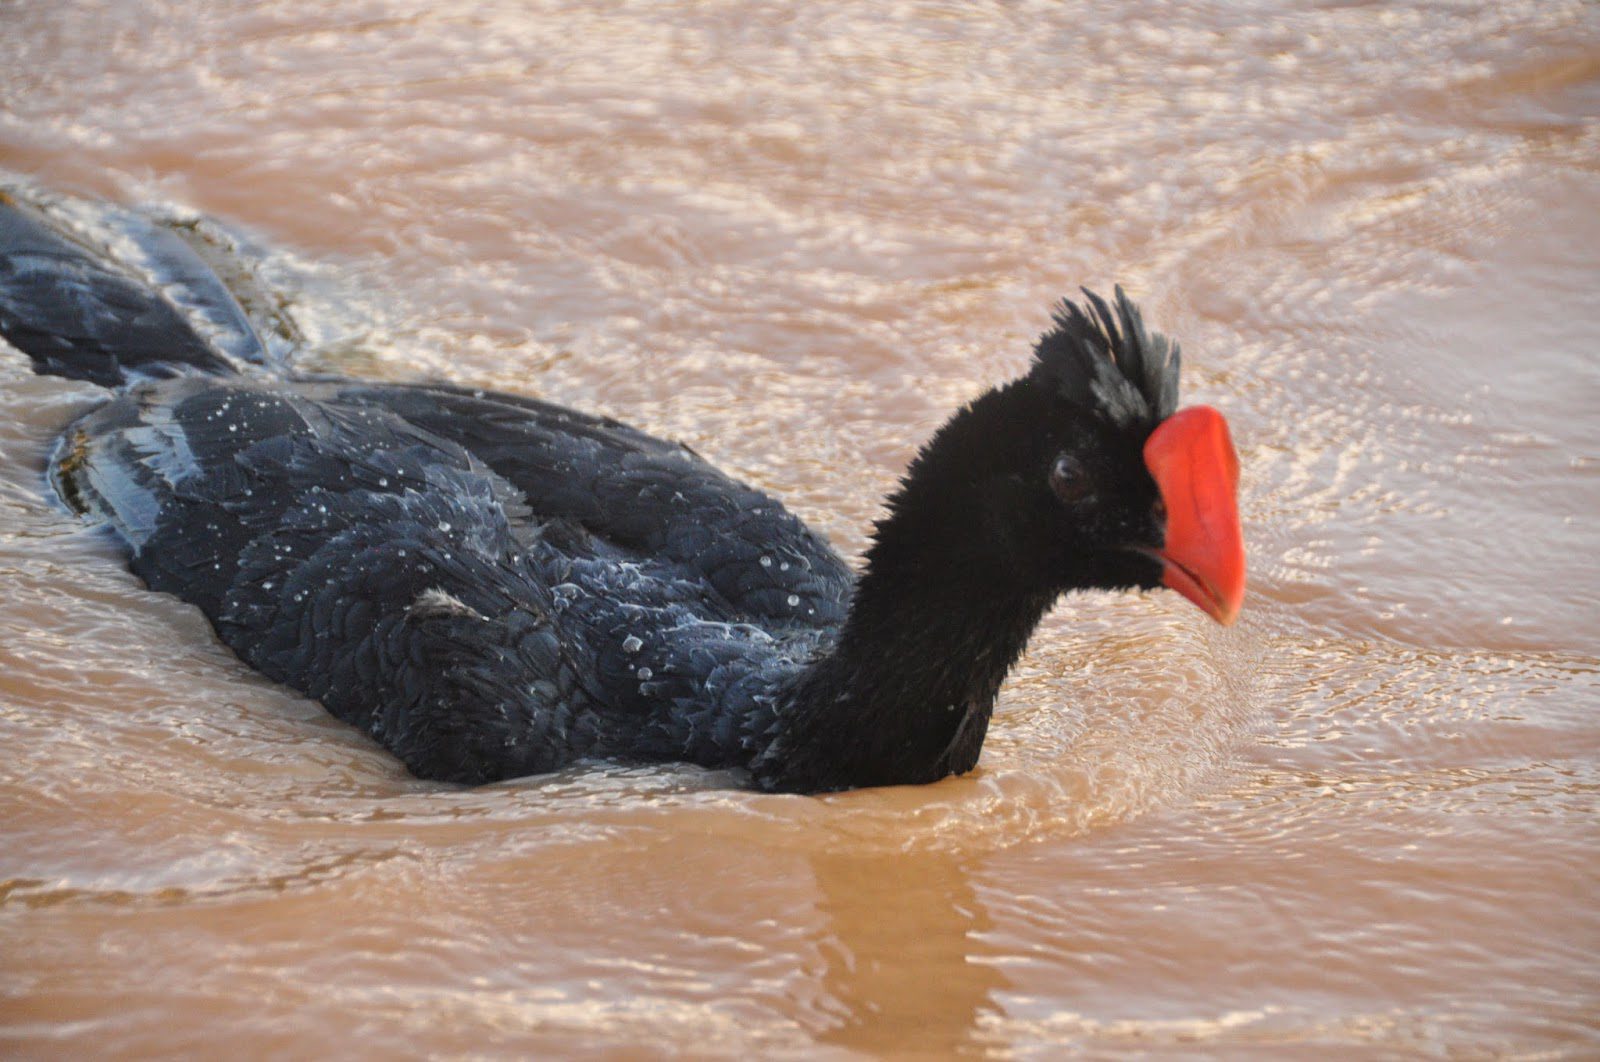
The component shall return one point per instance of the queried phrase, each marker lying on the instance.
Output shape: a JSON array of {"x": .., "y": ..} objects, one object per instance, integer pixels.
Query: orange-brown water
[{"x": 1363, "y": 821}]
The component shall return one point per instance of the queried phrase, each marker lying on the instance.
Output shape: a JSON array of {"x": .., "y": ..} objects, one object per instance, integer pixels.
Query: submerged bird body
[
  {"x": 343, "y": 540},
  {"x": 495, "y": 586}
]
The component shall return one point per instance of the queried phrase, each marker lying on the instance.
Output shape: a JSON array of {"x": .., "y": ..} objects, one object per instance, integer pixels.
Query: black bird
[{"x": 495, "y": 586}]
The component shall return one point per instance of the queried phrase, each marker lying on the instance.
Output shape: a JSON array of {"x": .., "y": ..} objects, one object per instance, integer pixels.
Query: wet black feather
[{"x": 1108, "y": 362}]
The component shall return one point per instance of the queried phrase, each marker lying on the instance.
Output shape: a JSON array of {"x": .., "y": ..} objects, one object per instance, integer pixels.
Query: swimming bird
[{"x": 493, "y": 586}]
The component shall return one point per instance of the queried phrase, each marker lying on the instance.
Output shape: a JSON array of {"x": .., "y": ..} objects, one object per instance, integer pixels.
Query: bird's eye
[{"x": 1068, "y": 479}]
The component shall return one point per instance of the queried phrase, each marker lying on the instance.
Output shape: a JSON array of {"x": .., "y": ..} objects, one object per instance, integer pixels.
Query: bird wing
[{"x": 651, "y": 497}]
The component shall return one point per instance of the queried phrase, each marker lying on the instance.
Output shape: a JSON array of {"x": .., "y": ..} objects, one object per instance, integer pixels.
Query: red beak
[{"x": 1190, "y": 456}]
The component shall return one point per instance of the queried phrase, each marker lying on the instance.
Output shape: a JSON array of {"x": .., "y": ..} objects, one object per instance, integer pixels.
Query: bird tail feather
[{"x": 94, "y": 292}]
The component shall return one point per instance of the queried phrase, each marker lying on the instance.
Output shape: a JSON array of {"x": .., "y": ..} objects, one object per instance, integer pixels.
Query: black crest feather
[{"x": 1104, "y": 359}]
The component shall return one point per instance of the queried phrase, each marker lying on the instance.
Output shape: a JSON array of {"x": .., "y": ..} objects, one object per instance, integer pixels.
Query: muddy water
[{"x": 1364, "y": 820}]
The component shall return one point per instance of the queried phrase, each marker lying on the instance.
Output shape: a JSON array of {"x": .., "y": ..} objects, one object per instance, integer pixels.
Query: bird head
[
  {"x": 1085, "y": 474},
  {"x": 1142, "y": 493}
]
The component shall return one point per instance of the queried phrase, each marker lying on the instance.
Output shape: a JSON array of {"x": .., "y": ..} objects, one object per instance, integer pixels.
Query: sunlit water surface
[{"x": 796, "y": 237}]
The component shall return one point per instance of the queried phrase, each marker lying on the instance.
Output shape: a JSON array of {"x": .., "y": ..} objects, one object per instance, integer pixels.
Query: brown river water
[{"x": 1363, "y": 822}]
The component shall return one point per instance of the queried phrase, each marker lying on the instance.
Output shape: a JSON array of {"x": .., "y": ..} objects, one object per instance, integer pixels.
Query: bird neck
[{"x": 905, "y": 694}]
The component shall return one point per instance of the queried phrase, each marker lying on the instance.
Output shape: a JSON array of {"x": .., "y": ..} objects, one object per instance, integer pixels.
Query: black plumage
[{"x": 494, "y": 586}]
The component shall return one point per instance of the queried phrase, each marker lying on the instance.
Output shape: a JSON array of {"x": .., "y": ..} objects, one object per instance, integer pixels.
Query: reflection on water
[
  {"x": 911, "y": 976},
  {"x": 1360, "y": 822}
]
